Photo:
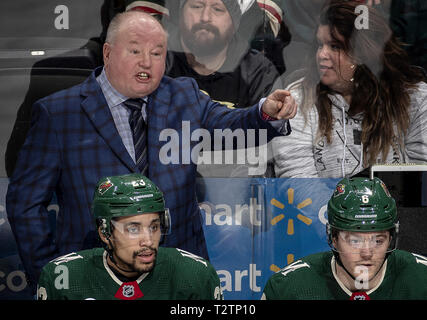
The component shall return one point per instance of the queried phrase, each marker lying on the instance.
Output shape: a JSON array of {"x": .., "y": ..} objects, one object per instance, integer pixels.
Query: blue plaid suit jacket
[{"x": 73, "y": 142}]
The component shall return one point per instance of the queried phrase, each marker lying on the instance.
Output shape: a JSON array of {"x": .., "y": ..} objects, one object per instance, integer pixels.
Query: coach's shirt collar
[{"x": 113, "y": 97}]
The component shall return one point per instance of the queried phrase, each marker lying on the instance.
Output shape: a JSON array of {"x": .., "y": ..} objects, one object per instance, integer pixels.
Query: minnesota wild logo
[
  {"x": 340, "y": 189},
  {"x": 104, "y": 187}
]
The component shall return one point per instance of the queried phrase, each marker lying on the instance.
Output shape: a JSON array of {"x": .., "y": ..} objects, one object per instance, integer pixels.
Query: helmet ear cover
[{"x": 101, "y": 224}]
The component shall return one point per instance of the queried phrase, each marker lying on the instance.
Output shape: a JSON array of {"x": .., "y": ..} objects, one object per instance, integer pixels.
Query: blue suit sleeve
[
  {"x": 30, "y": 191},
  {"x": 218, "y": 116}
]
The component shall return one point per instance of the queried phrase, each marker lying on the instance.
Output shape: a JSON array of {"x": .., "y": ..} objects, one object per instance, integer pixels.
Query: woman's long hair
[{"x": 382, "y": 80}]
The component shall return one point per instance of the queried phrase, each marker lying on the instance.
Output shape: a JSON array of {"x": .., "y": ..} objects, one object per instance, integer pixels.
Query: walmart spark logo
[{"x": 290, "y": 227}]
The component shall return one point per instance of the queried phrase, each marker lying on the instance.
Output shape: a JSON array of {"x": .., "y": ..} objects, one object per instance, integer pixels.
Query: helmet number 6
[{"x": 365, "y": 198}]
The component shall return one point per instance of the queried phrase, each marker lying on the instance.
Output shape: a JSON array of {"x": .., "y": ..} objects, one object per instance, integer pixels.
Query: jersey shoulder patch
[
  {"x": 293, "y": 267},
  {"x": 305, "y": 268},
  {"x": 405, "y": 259},
  {"x": 66, "y": 258},
  {"x": 192, "y": 257},
  {"x": 74, "y": 260},
  {"x": 420, "y": 259}
]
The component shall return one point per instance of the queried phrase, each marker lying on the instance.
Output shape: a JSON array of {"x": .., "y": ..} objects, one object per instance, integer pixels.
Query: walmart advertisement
[{"x": 253, "y": 228}]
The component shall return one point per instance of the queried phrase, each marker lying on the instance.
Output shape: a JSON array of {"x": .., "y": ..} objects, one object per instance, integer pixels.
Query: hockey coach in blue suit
[{"x": 111, "y": 124}]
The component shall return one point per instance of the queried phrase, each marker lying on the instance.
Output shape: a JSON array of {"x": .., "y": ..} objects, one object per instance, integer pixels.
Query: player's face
[
  {"x": 135, "y": 59},
  {"x": 362, "y": 253},
  {"x": 206, "y": 26},
  {"x": 135, "y": 242}
]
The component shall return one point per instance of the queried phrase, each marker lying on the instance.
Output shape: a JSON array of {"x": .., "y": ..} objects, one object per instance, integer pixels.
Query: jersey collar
[
  {"x": 345, "y": 289},
  {"x": 113, "y": 276}
]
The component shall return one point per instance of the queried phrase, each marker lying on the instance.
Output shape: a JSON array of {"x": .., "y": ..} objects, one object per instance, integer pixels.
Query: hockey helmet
[
  {"x": 127, "y": 195},
  {"x": 362, "y": 205}
]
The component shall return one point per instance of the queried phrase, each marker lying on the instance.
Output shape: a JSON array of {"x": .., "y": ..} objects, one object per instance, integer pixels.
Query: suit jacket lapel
[
  {"x": 98, "y": 112},
  {"x": 157, "y": 116}
]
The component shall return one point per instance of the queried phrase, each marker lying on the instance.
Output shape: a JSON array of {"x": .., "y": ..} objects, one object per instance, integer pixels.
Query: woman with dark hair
[{"x": 360, "y": 101}]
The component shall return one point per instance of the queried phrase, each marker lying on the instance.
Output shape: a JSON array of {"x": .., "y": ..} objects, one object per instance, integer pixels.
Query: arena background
[{"x": 253, "y": 226}]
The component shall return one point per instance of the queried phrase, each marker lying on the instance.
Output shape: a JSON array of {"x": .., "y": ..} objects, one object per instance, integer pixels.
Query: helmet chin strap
[
  {"x": 109, "y": 250},
  {"x": 339, "y": 262}
]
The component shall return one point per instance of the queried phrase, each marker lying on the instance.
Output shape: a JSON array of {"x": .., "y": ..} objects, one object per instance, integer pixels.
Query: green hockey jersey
[
  {"x": 86, "y": 275},
  {"x": 314, "y": 278}
]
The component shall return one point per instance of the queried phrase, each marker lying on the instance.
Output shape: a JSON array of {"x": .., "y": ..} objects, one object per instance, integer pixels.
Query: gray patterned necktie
[{"x": 139, "y": 133}]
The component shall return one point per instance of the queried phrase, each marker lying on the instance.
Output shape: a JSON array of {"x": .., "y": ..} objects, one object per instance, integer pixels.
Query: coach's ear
[{"x": 106, "y": 49}]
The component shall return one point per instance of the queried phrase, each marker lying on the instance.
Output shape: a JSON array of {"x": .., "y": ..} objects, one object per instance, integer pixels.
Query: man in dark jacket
[{"x": 207, "y": 48}]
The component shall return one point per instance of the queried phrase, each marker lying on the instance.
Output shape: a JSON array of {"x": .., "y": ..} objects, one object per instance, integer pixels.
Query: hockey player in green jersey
[
  {"x": 364, "y": 263},
  {"x": 132, "y": 219}
]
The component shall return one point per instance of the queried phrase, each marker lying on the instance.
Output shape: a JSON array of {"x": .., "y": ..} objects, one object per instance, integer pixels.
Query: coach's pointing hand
[{"x": 280, "y": 105}]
